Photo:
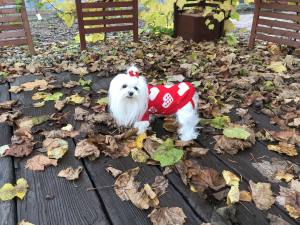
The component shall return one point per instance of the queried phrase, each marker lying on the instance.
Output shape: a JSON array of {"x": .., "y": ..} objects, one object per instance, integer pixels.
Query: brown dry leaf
[
  {"x": 70, "y": 173},
  {"x": 29, "y": 86},
  {"x": 59, "y": 104},
  {"x": 170, "y": 124},
  {"x": 276, "y": 220},
  {"x": 7, "y": 104},
  {"x": 167, "y": 216},
  {"x": 127, "y": 189},
  {"x": 202, "y": 178},
  {"x": 34, "y": 67},
  {"x": 60, "y": 134},
  {"x": 39, "y": 162},
  {"x": 284, "y": 148},
  {"x": 289, "y": 136},
  {"x": 85, "y": 148},
  {"x": 80, "y": 114},
  {"x": 113, "y": 171},
  {"x": 245, "y": 196},
  {"x": 197, "y": 151},
  {"x": 150, "y": 146},
  {"x": 230, "y": 145},
  {"x": 182, "y": 144},
  {"x": 290, "y": 198},
  {"x": 20, "y": 149},
  {"x": 56, "y": 147},
  {"x": 283, "y": 175},
  {"x": 9, "y": 117},
  {"x": 262, "y": 195},
  {"x": 160, "y": 185}
]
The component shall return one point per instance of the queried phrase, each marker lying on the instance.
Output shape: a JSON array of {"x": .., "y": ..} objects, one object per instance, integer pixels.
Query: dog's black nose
[{"x": 130, "y": 93}]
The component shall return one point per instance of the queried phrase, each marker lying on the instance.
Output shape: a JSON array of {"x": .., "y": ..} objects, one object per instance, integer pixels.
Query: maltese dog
[{"x": 132, "y": 101}]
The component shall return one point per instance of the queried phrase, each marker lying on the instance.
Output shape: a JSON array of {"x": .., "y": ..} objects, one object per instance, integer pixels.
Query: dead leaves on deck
[{"x": 8, "y": 191}]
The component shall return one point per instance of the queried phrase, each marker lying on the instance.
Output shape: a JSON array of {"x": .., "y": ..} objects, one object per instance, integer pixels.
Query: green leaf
[
  {"x": 103, "y": 101},
  {"x": 39, "y": 120},
  {"x": 86, "y": 84},
  {"x": 218, "y": 122},
  {"x": 236, "y": 132},
  {"x": 269, "y": 85},
  {"x": 53, "y": 97},
  {"x": 231, "y": 39},
  {"x": 167, "y": 154}
]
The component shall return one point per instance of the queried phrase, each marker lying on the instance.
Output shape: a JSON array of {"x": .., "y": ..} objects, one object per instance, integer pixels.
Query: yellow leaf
[
  {"x": 226, "y": 6},
  {"x": 230, "y": 178},
  {"x": 39, "y": 95},
  {"x": 248, "y": 1},
  {"x": 220, "y": 17},
  {"x": 56, "y": 148},
  {"x": 23, "y": 222},
  {"x": 284, "y": 148},
  {"x": 211, "y": 26},
  {"x": 77, "y": 99},
  {"x": 207, "y": 22},
  {"x": 233, "y": 195},
  {"x": 8, "y": 191},
  {"x": 245, "y": 196},
  {"x": 228, "y": 26},
  {"x": 139, "y": 140},
  {"x": 139, "y": 155},
  {"x": 277, "y": 67},
  {"x": 207, "y": 11},
  {"x": 193, "y": 189}
]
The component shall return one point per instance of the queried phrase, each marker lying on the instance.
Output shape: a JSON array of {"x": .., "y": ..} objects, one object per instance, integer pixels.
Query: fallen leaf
[
  {"x": 76, "y": 99},
  {"x": 236, "y": 132},
  {"x": 56, "y": 147},
  {"x": 113, "y": 171},
  {"x": 139, "y": 155},
  {"x": 233, "y": 195},
  {"x": 39, "y": 162},
  {"x": 230, "y": 145},
  {"x": 290, "y": 198},
  {"x": 160, "y": 185},
  {"x": 139, "y": 140},
  {"x": 20, "y": 150},
  {"x": 245, "y": 196},
  {"x": 60, "y": 134},
  {"x": 262, "y": 195},
  {"x": 8, "y": 191},
  {"x": 70, "y": 173},
  {"x": 167, "y": 154},
  {"x": 218, "y": 122},
  {"x": 170, "y": 126},
  {"x": 230, "y": 178},
  {"x": 282, "y": 175},
  {"x": 60, "y": 104},
  {"x": 284, "y": 148},
  {"x": 80, "y": 114},
  {"x": 277, "y": 67},
  {"x": 23, "y": 222},
  {"x": 9, "y": 116},
  {"x": 289, "y": 136},
  {"x": 276, "y": 220},
  {"x": 167, "y": 216},
  {"x": 85, "y": 148},
  {"x": 197, "y": 151},
  {"x": 3, "y": 149},
  {"x": 7, "y": 104}
]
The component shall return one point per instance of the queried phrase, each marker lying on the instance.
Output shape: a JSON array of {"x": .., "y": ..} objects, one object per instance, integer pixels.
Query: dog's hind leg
[{"x": 188, "y": 119}]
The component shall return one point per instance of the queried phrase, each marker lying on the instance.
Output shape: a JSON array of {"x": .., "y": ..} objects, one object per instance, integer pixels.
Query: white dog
[{"x": 131, "y": 101}]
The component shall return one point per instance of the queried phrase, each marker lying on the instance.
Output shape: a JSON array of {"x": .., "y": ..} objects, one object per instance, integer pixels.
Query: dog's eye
[
  {"x": 124, "y": 86},
  {"x": 135, "y": 88}
]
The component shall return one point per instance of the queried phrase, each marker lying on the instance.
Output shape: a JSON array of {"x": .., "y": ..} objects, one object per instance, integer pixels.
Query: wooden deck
[{"x": 55, "y": 201}]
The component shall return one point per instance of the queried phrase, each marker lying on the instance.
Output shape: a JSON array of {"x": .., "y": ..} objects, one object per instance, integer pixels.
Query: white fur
[{"x": 128, "y": 110}]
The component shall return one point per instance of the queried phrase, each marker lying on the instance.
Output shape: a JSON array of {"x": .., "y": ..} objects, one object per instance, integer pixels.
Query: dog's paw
[{"x": 142, "y": 126}]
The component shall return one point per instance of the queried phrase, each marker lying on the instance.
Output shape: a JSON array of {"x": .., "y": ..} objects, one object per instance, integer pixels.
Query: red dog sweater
[{"x": 167, "y": 100}]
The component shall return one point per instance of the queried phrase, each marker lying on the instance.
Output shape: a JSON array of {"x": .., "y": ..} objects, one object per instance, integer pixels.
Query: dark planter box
[{"x": 193, "y": 27}]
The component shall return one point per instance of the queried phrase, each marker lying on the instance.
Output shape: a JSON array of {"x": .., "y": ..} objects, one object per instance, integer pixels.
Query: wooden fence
[
  {"x": 14, "y": 25},
  {"x": 276, "y": 21},
  {"x": 104, "y": 17}
]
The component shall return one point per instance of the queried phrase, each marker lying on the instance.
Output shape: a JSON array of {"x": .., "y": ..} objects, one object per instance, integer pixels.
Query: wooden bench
[
  {"x": 14, "y": 25},
  {"x": 276, "y": 21},
  {"x": 104, "y": 17}
]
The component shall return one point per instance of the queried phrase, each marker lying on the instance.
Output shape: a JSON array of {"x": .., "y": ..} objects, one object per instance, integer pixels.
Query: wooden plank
[
  {"x": 254, "y": 24},
  {"x": 126, "y": 211},
  {"x": 136, "y": 20},
  {"x": 8, "y": 19},
  {"x": 277, "y": 15},
  {"x": 7, "y": 2},
  {"x": 108, "y": 21},
  {"x": 13, "y": 42},
  {"x": 283, "y": 7},
  {"x": 280, "y": 24},
  {"x": 12, "y": 34},
  {"x": 277, "y": 32},
  {"x": 80, "y": 24},
  {"x": 278, "y": 40},
  {"x": 11, "y": 27},
  {"x": 95, "y": 5},
  {"x": 108, "y": 29},
  {"x": 53, "y": 200},
  {"x": 108, "y": 13},
  {"x": 247, "y": 213},
  {"x": 27, "y": 29},
  {"x": 8, "y": 11},
  {"x": 7, "y": 209}
]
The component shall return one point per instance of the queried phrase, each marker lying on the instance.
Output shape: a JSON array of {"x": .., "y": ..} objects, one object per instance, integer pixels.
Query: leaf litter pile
[{"x": 233, "y": 82}]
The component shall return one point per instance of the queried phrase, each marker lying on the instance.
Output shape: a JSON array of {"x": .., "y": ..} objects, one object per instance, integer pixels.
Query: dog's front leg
[{"x": 142, "y": 126}]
